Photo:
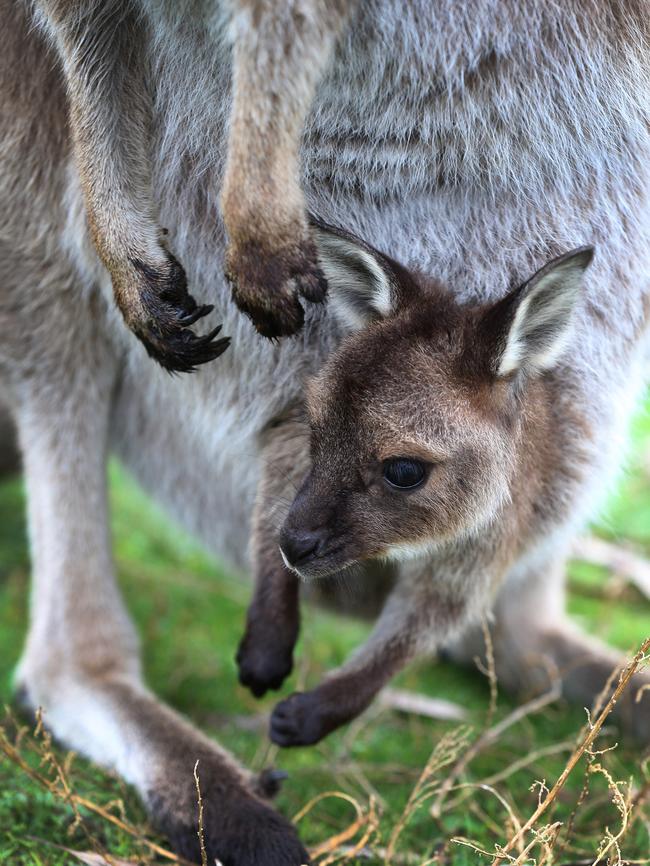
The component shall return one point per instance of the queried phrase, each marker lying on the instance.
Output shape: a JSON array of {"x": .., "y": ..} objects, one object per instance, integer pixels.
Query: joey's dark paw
[
  {"x": 266, "y": 285},
  {"x": 263, "y": 664},
  {"x": 165, "y": 315},
  {"x": 300, "y": 720},
  {"x": 238, "y": 830}
]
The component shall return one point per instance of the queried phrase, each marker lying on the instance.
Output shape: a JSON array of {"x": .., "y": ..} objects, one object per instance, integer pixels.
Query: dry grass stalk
[
  {"x": 350, "y": 852},
  {"x": 332, "y": 849},
  {"x": 545, "y": 837},
  {"x": 199, "y": 832},
  {"x": 584, "y": 746},
  {"x": 490, "y": 671},
  {"x": 467, "y": 843},
  {"x": 406, "y": 858},
  {"x": 510, "y": 770},
  {"x": 582, "y": 796},
  {"x": 90, "y": 858},
  {"x": 63, "y": 791},
  {"x": 487, "y": 738},
  {"x": 640, "y": 692},
  {"x": 446, "y": 751},
  {"x": 598, "y": 704},
  {"x": 623, "y": 804}
]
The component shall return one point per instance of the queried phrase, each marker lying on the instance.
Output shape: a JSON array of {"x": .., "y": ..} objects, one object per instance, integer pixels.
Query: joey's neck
[{"x": 551, "y": 455}]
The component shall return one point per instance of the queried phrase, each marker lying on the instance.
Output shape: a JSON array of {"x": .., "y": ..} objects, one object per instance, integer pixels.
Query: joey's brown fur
[{"x": 146, "y": 146}]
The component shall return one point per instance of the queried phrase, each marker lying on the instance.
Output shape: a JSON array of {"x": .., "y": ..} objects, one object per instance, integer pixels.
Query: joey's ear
[
  {"x": 363, "y": 284},
  {"x": 528, "y": 330}
]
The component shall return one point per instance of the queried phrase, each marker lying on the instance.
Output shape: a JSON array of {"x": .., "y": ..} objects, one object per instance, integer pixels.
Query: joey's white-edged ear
[
  {"x": 536, "y": 319},
  {"x": 360, "y": 282}
]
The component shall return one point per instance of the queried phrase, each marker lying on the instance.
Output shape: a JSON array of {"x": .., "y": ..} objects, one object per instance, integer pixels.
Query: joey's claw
[
  {"x": 267, "y": 286},
  {"x": 298, "y": 721},
  {"x": 164, "y": 316},
  {"x": 264, "y": 665}
]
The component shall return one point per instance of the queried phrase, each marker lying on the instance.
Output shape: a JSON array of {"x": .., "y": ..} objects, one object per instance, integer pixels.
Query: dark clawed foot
[
  {"x": 263, "y": 664},
  {"x": 238, "y": 831},
  {"x": 269, "y": 782},
  {"x": 167, "y": 313},
  {"x": 266, "y": 286},
  {"x": 300, "y": 720}
]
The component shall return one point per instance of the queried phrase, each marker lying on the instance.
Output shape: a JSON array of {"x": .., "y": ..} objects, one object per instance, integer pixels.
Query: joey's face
[
  {"x": 414, "y": 418},
  {"x": 404, "y": 453}
]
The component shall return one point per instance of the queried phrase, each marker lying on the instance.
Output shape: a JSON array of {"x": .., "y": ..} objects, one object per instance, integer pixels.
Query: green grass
[{"x": 191, "y": 613}]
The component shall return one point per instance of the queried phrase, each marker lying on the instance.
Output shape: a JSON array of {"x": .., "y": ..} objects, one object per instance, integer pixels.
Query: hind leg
[
  {"x": 81, "y": 661},
  {"x": 535, "y": 643}
]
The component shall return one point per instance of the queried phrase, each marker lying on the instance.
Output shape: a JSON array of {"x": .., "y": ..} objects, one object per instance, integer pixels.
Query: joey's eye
[{"x": 404, "y": 473}]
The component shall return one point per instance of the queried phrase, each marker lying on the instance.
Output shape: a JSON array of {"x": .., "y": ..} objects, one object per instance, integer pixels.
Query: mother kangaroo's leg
[
  {"x": 81, "y": 661},
  {"x": 535, "y": 643}
]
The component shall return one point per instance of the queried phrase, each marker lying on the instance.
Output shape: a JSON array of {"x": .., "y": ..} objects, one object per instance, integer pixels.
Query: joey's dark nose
[{"x": 299, "y": 546}]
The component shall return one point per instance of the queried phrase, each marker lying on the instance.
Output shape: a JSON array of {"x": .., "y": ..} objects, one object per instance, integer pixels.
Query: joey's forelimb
[
  {"x": 265, "y": 654},
  {"x": 101, "y": 46},
  {"x": 280, "y": 52},
  {"x": 429, "y": 603},
  {"x": 417, "y": 617}
]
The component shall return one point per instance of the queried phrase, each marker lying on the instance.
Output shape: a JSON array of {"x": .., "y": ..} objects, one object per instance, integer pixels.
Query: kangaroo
[{"x": 146, "y": 146}]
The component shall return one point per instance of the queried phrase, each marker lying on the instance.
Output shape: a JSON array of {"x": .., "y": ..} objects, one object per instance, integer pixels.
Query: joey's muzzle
[
  {"x": 310, "y": 540},
  {"x": 300, "y": 546}
]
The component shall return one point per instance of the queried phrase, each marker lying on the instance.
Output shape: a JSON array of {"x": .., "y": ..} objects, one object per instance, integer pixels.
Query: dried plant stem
[
  {"x": 75, "y": 800},
  {"x": 334, "y": 845},
  {"x": 520, "y": 764},
  {"x": 491, "y": 672},
  {"x": 199, "y": 832},
  {"x": 487, "y": 738},
  {"x": 446, "y": 751},
  {"x": 624, "y": 680}
]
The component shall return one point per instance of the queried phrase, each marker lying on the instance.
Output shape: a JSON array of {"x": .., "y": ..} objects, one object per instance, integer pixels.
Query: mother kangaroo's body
[{"x": 470, "y": 140}]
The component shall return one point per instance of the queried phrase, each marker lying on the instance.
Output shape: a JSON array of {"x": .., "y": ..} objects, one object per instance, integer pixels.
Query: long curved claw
[{"x": 165, "y": 315}]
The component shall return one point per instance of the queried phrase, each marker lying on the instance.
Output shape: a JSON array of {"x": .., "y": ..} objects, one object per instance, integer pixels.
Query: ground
[{"x": 191, "y": 615}]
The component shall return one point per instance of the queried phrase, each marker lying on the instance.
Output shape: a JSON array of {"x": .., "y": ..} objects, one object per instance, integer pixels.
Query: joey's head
[{"x": 414, "y": 419}]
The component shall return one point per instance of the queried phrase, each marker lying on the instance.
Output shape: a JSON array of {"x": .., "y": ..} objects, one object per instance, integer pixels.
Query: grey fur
[{"x": 489, "y": 138}]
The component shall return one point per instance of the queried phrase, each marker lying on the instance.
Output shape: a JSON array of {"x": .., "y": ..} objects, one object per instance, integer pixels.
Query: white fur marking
[
  {"x": 542, "y": 324},
  {"x": 359, "y": 288}
]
